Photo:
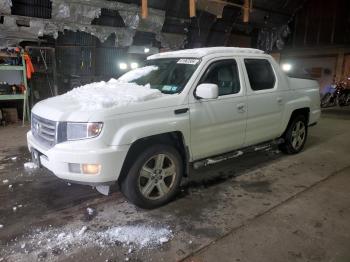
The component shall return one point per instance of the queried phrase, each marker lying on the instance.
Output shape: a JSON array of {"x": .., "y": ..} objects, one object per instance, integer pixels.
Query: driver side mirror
[{"x": 207, "y": 91}]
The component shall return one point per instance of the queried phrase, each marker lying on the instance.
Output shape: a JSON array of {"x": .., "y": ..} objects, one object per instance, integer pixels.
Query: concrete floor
[{"x": 264, "y": 206}]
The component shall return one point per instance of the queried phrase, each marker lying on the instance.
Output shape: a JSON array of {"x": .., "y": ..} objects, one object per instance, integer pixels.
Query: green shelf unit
[
  {"x": 12, "y": 97},
  {"x": 11, "y": 68},
  {"x": 24, "y": 97}
]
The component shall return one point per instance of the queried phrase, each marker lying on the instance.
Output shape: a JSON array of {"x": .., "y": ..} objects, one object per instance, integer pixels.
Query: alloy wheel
[
  {"x": 298, "y": 135},
  {"x": 157, "y": 176}
]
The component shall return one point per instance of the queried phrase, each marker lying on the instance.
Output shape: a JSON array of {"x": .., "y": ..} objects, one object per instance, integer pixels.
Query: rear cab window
[{"x": 260, "y": 74}]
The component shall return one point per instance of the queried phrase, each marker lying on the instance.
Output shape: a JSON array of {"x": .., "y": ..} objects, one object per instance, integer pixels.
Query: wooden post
[
  {"x": 246, "y": 10},
  {"x": 340, "y": 65},
  {"x": 144, "y": 9},
  {"x": 26, "y": 92},
  {"x": 192, "y": 7}
]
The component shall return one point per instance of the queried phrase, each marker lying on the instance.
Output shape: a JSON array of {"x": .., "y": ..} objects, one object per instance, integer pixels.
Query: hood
[{"x": 102, "y": 99}]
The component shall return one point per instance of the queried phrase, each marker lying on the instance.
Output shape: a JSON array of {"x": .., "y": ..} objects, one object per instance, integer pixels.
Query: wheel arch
[
  {"x": 305, "y": 111},
  {"x": 175, "y": 139}
]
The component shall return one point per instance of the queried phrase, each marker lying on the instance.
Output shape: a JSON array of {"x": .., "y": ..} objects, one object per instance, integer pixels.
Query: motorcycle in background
[
  {"x": 336, "y": 94},
  {"x": 344, "y": 94}
]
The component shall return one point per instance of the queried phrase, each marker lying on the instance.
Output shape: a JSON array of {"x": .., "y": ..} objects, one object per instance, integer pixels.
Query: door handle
[
  {"x": 241, "y": 108},
  {"x": 181, "y": 111},
  {"x": 279, "y": 100}
]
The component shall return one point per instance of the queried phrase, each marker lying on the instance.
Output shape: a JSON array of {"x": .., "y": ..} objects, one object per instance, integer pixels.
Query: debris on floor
[
  {"x": 30, "y": 165},
  {"x": 90, "y": 211},
  {"x": 131, "y": 237},
  {"x": 89, "y": 214}
]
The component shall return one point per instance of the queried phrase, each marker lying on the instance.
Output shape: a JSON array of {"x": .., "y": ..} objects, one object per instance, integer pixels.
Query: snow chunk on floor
[
  {"x": 141, "y": 236},
  {"x": 135, "y": 237},
  {"x": 90, "y": 211},
  {"x": 113, "y": 93},
  {"x": 30, "y": 165}
]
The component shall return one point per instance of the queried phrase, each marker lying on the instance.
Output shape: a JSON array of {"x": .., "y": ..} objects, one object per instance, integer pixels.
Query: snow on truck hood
[
  {"x": 79, "y": 103},
  {"x": 114, "y": 93}
]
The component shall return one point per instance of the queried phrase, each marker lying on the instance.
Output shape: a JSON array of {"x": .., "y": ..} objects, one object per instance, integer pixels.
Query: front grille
[{"x": 44, "y": 130}]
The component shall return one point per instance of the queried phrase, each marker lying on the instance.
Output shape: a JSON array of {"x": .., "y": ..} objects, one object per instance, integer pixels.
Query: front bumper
[{"x": 58, "y": 158}]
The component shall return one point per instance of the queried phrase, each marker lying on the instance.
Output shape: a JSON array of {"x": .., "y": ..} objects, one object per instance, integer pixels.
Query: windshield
[{"x": 167, "y": 75}]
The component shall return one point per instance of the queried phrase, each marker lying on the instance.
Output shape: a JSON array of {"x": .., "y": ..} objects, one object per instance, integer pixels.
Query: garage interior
[{"x": 261, "y": 206}]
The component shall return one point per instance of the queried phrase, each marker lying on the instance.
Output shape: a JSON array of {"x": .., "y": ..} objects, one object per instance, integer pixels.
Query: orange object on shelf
[
  {"x": 29, "y": 65},
  {"x": 22, "y": 88}
]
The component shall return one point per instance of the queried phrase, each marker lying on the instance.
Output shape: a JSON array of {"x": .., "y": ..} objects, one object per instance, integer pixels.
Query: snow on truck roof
[{"x": 200, "y": 52}]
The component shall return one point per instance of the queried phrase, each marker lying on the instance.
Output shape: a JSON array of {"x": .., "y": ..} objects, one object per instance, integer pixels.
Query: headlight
[{"x": 76, "y": 131}]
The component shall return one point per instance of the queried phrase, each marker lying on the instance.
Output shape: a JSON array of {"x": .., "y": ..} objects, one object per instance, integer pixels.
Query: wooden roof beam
[{"x": 144, "y": 9}]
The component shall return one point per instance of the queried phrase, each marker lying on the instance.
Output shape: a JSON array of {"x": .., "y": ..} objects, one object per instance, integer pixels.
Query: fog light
[{"x": 91, "y": 169}]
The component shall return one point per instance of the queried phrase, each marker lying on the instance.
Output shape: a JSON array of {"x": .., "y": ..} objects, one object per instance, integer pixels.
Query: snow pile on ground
[
  {"x": 133, "y": 237},
  {"x": 109, "y": 94},
  {"x": 137, "y": 73}
]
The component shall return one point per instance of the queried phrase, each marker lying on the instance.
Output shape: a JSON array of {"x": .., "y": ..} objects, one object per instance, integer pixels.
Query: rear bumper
[{"x": 58, "y": 158}]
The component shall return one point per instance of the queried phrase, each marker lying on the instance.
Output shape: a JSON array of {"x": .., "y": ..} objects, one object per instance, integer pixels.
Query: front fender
[{"x": 129, "y": 132}]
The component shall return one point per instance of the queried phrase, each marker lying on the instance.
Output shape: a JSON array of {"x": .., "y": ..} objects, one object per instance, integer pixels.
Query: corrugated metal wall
[
  {"x": 82, "y": 58},
  {"x": 322, "y": 23}
]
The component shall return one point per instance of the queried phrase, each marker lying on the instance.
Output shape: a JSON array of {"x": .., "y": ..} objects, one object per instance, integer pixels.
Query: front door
[{"x": 218, "y": 125}]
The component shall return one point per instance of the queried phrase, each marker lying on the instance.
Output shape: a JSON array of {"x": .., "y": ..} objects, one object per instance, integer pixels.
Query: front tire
[
  {"x": 154, "y": 178},
  {"x": 295, "y": 135}
]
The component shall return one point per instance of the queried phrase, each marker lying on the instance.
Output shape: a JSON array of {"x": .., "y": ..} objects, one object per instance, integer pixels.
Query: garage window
[{"x": 260, "y": 74}]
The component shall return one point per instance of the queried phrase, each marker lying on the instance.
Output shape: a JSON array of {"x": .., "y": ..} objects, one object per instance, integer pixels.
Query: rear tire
[
  {"x": 295, "y": 135},
  {"x": 154, "y": 178}
]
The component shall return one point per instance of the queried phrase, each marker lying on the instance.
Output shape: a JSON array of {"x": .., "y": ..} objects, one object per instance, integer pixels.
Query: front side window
[
  {"x": 225, "y": 75},
  {"x": 169, "y": 75},
  {"x": 260, "y": 74}
]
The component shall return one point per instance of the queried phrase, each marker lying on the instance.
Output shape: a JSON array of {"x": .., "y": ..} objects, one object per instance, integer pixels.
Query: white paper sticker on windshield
[{"x": 188, "y": 61}]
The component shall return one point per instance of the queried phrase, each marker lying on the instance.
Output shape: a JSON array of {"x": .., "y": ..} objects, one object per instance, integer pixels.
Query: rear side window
[{"x": 260, "y": 74}]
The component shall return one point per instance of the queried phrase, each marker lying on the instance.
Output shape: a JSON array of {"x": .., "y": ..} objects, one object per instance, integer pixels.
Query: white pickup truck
[{"x": 182, "y": 108}]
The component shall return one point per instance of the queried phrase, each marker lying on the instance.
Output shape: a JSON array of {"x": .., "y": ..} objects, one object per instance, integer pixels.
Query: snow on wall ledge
[{"x": 113, "y": 93}]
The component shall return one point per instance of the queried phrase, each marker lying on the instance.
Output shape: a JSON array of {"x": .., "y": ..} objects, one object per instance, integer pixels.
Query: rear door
[
  {"x": 218, "y": 125},
  {"x": 265, "y": 101}
]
